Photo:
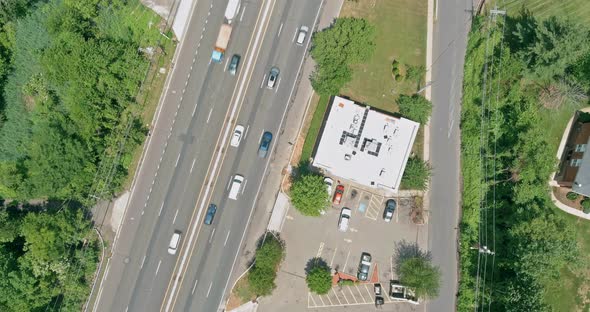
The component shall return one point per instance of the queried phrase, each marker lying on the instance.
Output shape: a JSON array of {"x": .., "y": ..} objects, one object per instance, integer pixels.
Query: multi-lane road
[{"x": 188, "y": 161}]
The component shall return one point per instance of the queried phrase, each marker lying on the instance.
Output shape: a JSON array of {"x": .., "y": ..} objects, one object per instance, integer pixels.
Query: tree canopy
[
  {"x": 348, "y": 41},
  {"x": 309, "y": 195},
  {"x": 421, "y": 276},
  {"x": 508, "y": 148},
  {"x": 318, "y": 277},
  {"x": 269, "y": 255},
  {"x": 415, "y": 107}
]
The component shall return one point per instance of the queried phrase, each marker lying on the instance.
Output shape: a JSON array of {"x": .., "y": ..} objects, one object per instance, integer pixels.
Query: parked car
[
  {"x": 210, "y": 214},
  {"x": 264, "y": 144},
  {"x": 344, "y": 219},
  {"x": 302, "y": 35},
  {"x": 273, "y": 76},
  {"x": 338, "y": 195},
  {"x": 233, "y": 64},
  {"x": 364, "y": 267},
  {"x": 329, "y": 182},
  {"x": 389, "y": 210},
  {"x": 236, "y": 138},
  {"x": 174, "y": 242}
]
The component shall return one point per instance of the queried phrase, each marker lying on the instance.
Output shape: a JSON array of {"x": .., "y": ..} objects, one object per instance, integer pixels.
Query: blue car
[
  {"x": 210, "y": 214},
  {"x": 264, "y": 144}
]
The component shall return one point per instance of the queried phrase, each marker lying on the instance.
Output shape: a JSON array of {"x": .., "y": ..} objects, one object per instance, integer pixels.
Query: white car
[
  {"x": 237, "y": 136},
  {"x": 329, "y": 182},
  {"x": 174, "y": 241},
  {"x": 345, "y": 214},
  {"x": 302, "y": 35}
]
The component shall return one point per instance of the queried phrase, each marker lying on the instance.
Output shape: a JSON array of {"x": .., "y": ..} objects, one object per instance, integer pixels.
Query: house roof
[
  {"x": 581, "y": 183},
  {"x": 364, "y": 145}
]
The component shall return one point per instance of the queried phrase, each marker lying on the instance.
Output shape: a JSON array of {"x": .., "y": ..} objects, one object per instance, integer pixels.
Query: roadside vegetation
[
  {"x": 415, "y": 270},
  {"x": 71, "y": 111},
  {"x": 537, "y": 73},
  {"x": 260, "y": 280},
  {"x": 416, "y": 175}
]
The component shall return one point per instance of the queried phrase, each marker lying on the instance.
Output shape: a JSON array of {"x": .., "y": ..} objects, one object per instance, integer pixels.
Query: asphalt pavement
[
  {"x": 187, "y": 137},
  {"x": 452, "y": 22}
]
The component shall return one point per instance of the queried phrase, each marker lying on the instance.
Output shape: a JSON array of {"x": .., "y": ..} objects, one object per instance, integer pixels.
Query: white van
[
  {"x": 174, "y": 243},
  {"x": 236, "y": 185}
]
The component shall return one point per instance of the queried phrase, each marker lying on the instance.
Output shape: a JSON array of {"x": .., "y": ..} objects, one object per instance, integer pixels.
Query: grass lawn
[
  {"x": 576, "y": 10},
  {"x": 314, "y": 127},
  {"x": 571, "y": 292},
  {"x": 401, "y": 35}
]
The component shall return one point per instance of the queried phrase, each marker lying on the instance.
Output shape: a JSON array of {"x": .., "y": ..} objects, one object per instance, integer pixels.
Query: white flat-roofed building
[{"x": 363, "y": 145}]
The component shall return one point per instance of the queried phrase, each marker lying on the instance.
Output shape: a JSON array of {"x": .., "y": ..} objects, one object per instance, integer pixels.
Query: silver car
[{"x": 273, "y": 76}]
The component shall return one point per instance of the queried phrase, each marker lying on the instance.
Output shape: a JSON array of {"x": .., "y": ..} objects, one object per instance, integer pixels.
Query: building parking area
[{"x": 310, "y": 237}]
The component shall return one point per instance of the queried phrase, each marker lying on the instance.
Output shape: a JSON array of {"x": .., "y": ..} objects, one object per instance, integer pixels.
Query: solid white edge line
[{"x": 268, "y": 160}]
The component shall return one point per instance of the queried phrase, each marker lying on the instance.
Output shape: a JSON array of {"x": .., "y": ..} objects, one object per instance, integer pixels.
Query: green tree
[
  {"x": 319, "y": 278},
  {"x": 415, "y": 107},
  {"x": 415, "y": 72},
  {"x": 309, "y": 195},
  {"x": 262, "y": 280},
  {"x": 348, "y": 41},
  {"x": 416, "y": 174},
  {"x": 266, "y": 261},
  {"x": 421, "y": 276}
]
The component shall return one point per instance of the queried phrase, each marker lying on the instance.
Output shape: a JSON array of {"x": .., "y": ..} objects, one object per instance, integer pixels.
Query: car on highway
[
  {"x": 303, "y": 30},
  {"x": 338, "y": 195},
  {"x": 236, "y": 185},
  {"x": 329, "y": 182},
  {"x": 264, "y": 144},
  {"x": 236, "y": 138},
  {"x": 174, "y": 242},
  {"x": 233, "y": 64},
  {"x": 389, "y": 210},
  {"x": 273, "y": 76},
  {"x": 364, "y": 266},
  {"x": 210, "y": 214},
  {"x": 344, "y": 219}
]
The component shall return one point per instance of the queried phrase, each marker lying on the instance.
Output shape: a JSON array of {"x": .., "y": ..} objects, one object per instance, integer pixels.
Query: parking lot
[{"x": 309, "y": 237}]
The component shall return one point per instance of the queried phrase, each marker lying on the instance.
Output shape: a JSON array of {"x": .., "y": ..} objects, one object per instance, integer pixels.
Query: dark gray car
[
  {"x": 364, "y": 266},
  {"x": 233, "y": 64},
  {"x": 389, "y": 210}
]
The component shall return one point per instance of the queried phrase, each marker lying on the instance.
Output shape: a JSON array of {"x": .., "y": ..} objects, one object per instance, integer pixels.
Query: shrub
[
  {"x": 586, "y": 205},
  {"x": 415, "y": 107},
  {"x": 268, "y": 256},
  {"x": 416, "y": 175},
  {"x": 571, "y": 196}
]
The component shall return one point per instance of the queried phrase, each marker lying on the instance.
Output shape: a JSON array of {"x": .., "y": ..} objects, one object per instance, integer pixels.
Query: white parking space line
[
  {"x": 335, "y": 294},
  {"x": 310, "y": 296},
  {"x": 368, "y": 292},
  {"x": 194, "y": 287},
  {"x": 360, "y": 293},
  {"x": 226, "y": 238},
  {"x": 322, "y": 300},
  {"x": 345, "y": 298},
  {"x": 346, "y": 262},
  {"x": 193, "y": 165},
  {"x": 175, "y": 215},
  {"x": 328, "y": 297},
  {"x": 352, "y": 295},
  {"x": 320, "y": 249},
  {"x": 280, "y": 29},
  {"x": 333, "y": 256}
]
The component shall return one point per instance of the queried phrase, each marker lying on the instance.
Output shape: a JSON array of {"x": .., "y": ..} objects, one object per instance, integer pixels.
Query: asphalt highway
[{"x": 189, "y": 162}]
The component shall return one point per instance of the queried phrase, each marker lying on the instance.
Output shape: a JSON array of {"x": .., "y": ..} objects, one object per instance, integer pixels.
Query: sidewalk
[{"x": 281, "y": 156}]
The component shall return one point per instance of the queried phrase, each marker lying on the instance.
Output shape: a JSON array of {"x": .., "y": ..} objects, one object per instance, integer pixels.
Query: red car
[{"x": 338, "y": 194}]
